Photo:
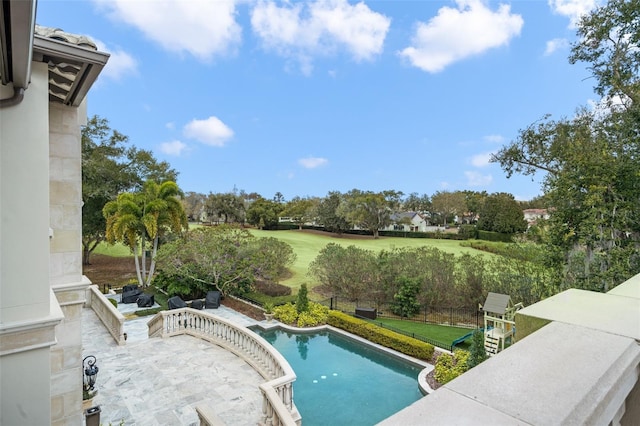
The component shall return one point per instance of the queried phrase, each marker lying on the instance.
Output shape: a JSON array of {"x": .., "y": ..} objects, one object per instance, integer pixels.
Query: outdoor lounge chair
[
  {"x": 145, "y": 300},
  {"x": 176, "y": 302},
  {"x": 130, "y": 293},
  {"x": 212, "y": 301}
]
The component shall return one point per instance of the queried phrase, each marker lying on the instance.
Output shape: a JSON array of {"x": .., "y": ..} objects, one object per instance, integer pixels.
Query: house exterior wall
[
  {"x": 65, "y": 263},
  {"x": 28, "y": 313},
  {"x": 417, "y": 224},
  {"x": 24, "y": 192}
]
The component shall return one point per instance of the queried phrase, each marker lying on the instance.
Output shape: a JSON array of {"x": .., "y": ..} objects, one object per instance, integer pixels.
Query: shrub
[
  {"x": 477, "y": 353},
  {"x": 381, "y": 336},
  {"x": 271, "y": 289},
  {"x": 315, "y": 315},
  {"x": 448, "y": 367},
  {"x": 286, "y": 313},
  {"x": 306, "y": 319},
  {"x": 495, "y": 236},
  {"x": 268, "y": 308},
  {"x": 302, "y": 304},
  {"x": 114, "y": 302},
  {"x": 405, "y": 303},
  {"x": 468, "y": 231},
  {"x": 146, "y": 312}
]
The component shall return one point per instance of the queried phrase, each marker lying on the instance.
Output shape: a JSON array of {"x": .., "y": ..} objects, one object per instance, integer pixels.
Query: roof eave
[
  {"x": 91, "y": 63},
  {"x": 17, "y": 23}
]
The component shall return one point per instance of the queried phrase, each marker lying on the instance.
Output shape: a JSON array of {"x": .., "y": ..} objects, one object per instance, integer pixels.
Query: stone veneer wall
[{"x": 65, "y": 262}]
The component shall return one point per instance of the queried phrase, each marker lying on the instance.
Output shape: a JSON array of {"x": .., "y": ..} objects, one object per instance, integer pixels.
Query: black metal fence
[
  {"x": 444, "y": 345},
  {"x": 459, "y": 317}
]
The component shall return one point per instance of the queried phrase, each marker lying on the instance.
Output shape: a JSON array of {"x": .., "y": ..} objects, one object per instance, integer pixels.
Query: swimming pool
[{"x": 344, "y": 382}]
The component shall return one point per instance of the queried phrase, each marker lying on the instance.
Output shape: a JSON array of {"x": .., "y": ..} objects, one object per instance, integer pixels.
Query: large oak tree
[{"x": 591, "y": 162}]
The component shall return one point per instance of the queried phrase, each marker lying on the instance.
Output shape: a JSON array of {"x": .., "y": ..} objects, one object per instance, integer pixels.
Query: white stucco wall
[
  {"x": 24, "y": 203},
  {"x": 27, "y": 316}
]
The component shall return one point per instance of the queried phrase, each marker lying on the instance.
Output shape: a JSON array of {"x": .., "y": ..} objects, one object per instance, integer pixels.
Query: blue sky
[{"x": 304, "y": 98}]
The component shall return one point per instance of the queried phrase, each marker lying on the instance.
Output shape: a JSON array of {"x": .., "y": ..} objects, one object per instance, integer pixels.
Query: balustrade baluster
[
  {"x": 244, "y": 342},
  {"x": 288, "y": 396}
]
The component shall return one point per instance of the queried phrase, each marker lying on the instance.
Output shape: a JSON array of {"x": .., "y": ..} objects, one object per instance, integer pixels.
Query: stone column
[{"x": 65, "y": 266}]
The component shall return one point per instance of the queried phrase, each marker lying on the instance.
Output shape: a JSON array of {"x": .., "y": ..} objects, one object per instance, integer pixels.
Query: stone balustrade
[
  {"x": 278, "y": 407},
  {"x": 112, "y": 319}
]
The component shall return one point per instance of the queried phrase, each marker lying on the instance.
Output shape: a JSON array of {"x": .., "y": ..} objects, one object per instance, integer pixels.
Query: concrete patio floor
[{"x": 161, "y": 381}]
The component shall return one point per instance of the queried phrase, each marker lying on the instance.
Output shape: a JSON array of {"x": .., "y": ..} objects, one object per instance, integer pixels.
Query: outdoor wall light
[{"x": 90, "y": 372}]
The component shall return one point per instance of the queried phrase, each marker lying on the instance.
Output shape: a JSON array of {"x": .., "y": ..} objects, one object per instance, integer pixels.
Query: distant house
[
  {"x": 408, "y": 222},
  {"x": 533, "y": 215}
]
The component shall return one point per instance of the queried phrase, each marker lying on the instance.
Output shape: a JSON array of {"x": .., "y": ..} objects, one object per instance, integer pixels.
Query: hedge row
[
  {"x": 495, "y": 236},
  {"x": 381, "y": 336},
  {"x": 465, "y": 232},
  {"x": 432, "y": 235}
]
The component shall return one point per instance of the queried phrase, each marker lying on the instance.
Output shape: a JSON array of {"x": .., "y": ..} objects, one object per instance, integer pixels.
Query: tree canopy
[
  {"x": 136, "y": 219},
  {"x": 327, "y": 213},
  {"x": 369, "y": 210},
  {"x": 591, "y": 162},
  {"x": 109, "y": 167},
  {"x": 264, "y": 213},
  {"x": 448, "y": 204},
  {"x": 223, "y": 257},
  {"x": 300, "y": 210},
  {"x": 500, "y": 212}
]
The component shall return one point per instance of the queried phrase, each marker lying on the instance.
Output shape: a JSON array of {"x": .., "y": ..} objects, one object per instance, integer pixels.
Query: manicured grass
[
  {"x": 440, "y": 333},
  {"x": 115, "y": 250},
  {"x": 307, "y": 245}
]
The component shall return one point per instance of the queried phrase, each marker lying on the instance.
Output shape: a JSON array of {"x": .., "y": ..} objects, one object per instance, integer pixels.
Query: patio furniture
[
  {"x": 145, "y": 300},
  {"x": 130, "y": 293},
  {"x": 212, "y": 301},
  {"x": 176, "y": 302}
]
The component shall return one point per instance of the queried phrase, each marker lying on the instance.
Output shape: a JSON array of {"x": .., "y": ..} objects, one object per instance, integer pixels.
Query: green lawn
[
  {"x": 116, "y": 250},
  {"x": 307, "y": 245},
  {"x": 440, "y": 333}
]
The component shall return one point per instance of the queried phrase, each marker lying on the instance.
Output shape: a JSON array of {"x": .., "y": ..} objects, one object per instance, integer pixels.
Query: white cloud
[
  {"x": 494, "y": 138},
  {"x": 458, "y": 33},
  {"x": 202, "y": 28},
  {"x": 211, "y": 131},
  {"x": 572, "y": 9},
  {"x": 481, "y": 160},
  {"x": 607, "y": 105},
  {"x": 303, "y": 30},
  {"x": 556, "y": 44},
  {"x": 312, "y": 162},
  {"x": 477, "y": 179},
  {"x": 170, "y": 125},
  {"x": 120, "y": 63},
  {"x": 173, "y": 148}
]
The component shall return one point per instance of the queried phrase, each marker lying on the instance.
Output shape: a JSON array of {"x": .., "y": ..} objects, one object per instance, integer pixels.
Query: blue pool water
[{"x": 343, "y": 382}]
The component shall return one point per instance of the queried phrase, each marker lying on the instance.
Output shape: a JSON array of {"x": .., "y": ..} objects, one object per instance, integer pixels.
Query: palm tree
[{"x": 136, "y": 219}]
